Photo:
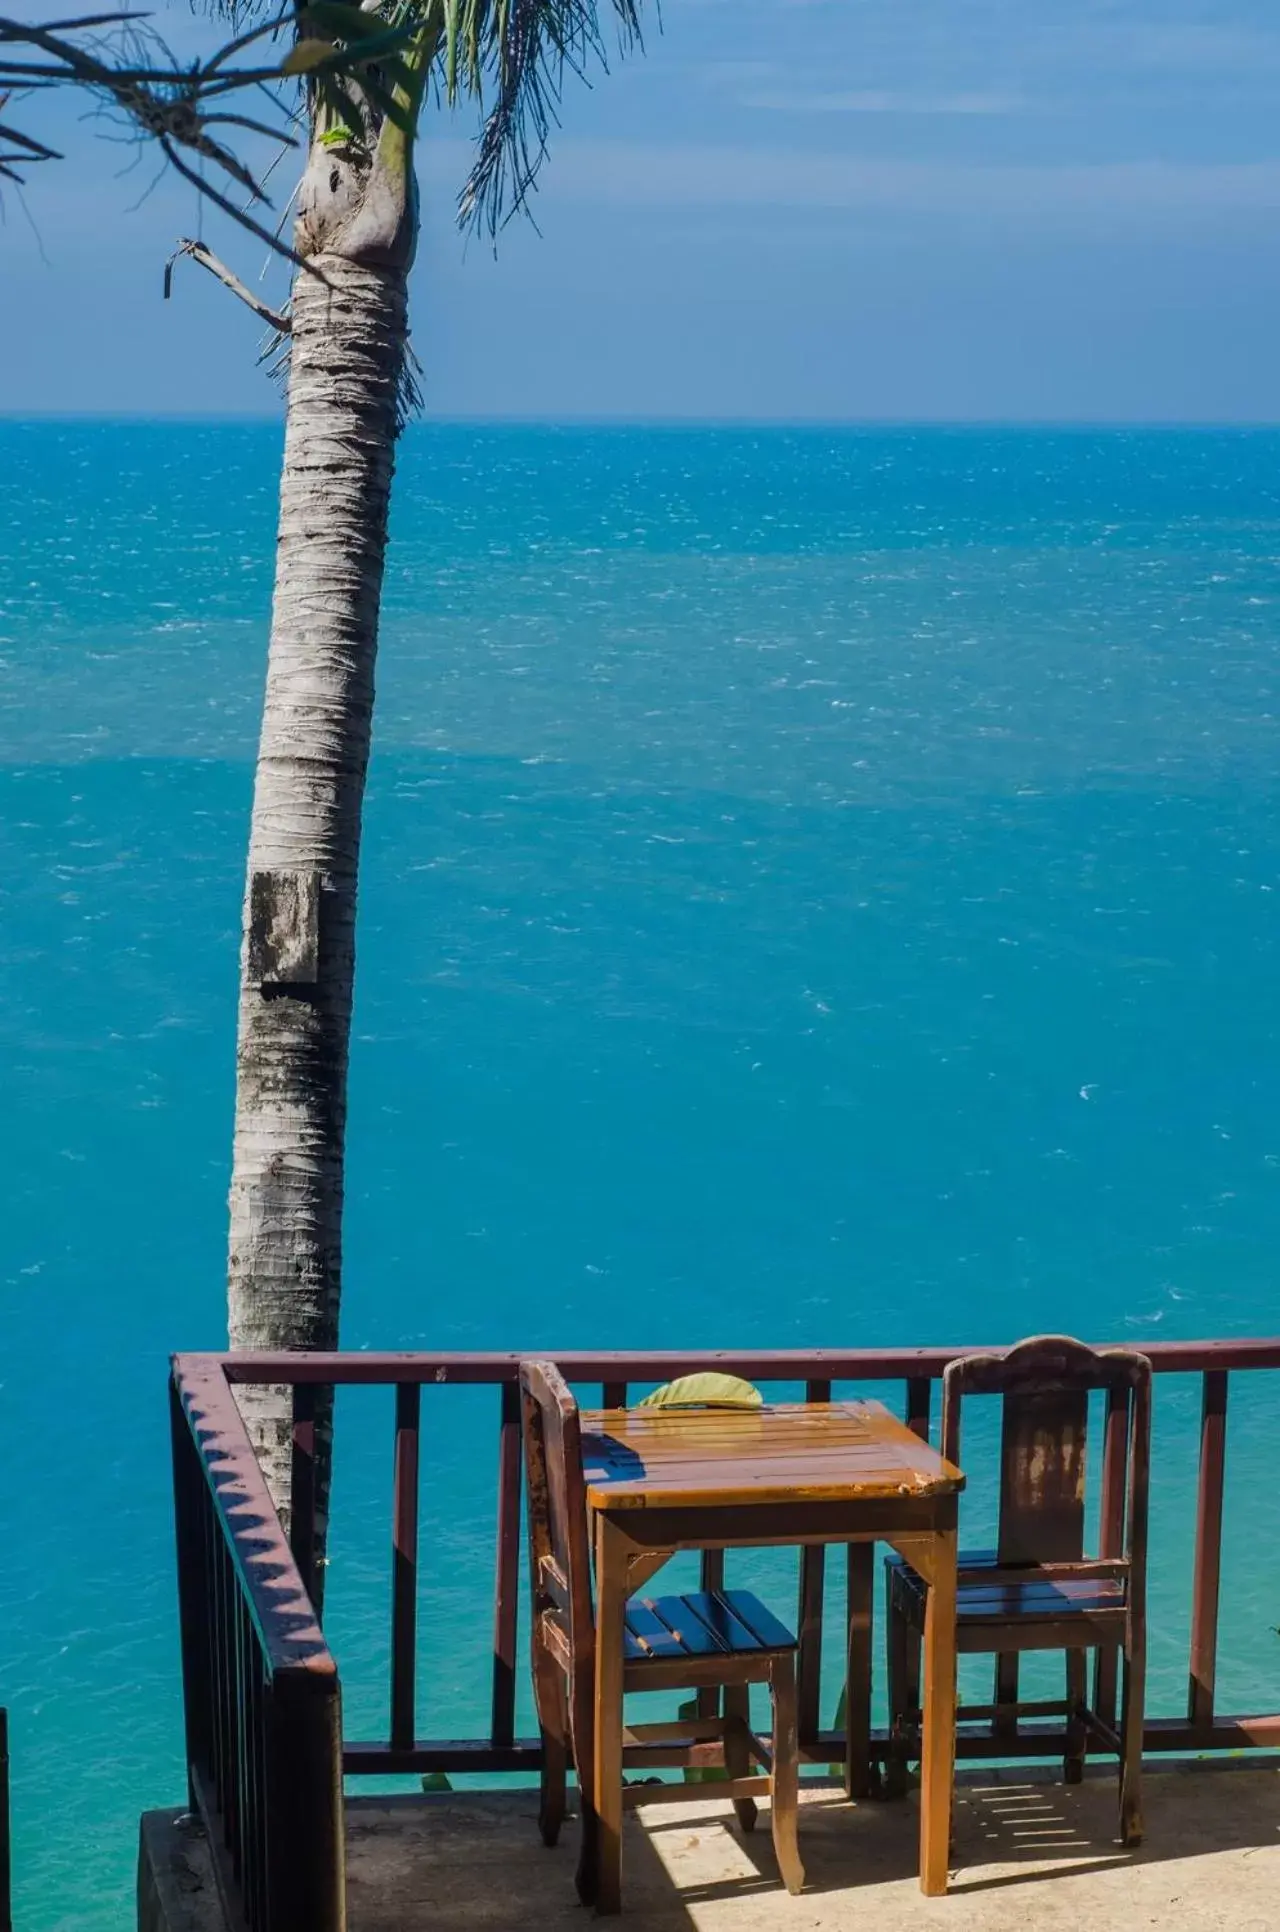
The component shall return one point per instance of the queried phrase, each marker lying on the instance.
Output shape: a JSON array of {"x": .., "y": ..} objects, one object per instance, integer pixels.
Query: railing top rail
[
  {"x": 282, "y": 1611},
  {"x": 641, "y": 1365}
]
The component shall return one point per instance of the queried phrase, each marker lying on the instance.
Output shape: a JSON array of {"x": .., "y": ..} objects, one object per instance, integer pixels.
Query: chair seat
[
  {"x": 1032, "y": 1597},
  {"x": 706, "y": 1623}
]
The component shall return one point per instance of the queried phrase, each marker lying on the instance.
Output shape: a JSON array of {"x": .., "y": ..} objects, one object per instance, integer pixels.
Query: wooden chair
[
  {"x": 1037, "y": 1590},
  {"x": 704, "y": 1640}
]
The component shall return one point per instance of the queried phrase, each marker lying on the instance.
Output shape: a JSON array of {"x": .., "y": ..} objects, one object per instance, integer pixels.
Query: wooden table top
[{"x": 783, "y": 1452}]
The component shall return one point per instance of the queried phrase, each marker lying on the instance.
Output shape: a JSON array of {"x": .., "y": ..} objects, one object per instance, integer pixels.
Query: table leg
[
  {"x": 937, "y": 1770},
  {"x": 611, "y": 1599},
  {"x": 861, "y": 1588}
]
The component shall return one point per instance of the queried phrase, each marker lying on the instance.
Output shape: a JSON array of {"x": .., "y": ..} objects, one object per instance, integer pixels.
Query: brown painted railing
[
  {"x": 263, "y": 1712},
  {"x": 262, "y": 1700}
]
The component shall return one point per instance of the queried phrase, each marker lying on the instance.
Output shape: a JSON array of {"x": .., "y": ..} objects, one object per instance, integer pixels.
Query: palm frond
[
  {"x": 513, "y": 58},
  {"x": 510, "y": 58},
  {"x": 122, "y": 64}
]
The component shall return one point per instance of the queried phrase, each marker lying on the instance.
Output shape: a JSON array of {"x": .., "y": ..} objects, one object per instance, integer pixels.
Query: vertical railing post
[
  {"x": 506, "y": 1581},
  {"x": 306, "y": 1879},
  {"x": 812, "y": 1576},
  {"x": 6, "y": 1860},
  {"x": 219, "y": 1730},
  {"x": 190, "y": 1508},
  {"x": 302, "y": 1485},
  {"x": 228, "y": 1686},
  {"x": 1208, "y": 1558},
  {"x": 255, "y": 1788},
  {"x": 919, "y": 1402},
  {"x": 404, "y": 1567},
  {"x": 1111, "y": 1536}
]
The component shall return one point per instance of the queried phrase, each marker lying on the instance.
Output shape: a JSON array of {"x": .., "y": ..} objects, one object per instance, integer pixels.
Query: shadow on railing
[{"x": 265, "y": 1748}]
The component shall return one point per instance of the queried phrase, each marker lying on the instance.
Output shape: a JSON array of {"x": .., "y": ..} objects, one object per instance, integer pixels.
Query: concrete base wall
[{"x": 176, "y": 1887}]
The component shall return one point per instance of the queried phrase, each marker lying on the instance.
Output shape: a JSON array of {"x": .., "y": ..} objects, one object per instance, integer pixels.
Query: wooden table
[{"x": 662, "y": 1480}]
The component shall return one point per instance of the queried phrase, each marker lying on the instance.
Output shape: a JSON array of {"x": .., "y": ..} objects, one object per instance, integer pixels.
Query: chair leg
[
  {"x": 897, "y": 1640},
  {"x": 1106, "y": 1658},
  {"x": 553, "y": 1724},
  {"x": 1131, "y": 1714},
  {"x": 582, "y": 1739},
  {"x": 551, "y": 1794},
  {"x": 915, "y": 1673},
  {"x": 1077, "y": 1730},
  {"x": 737, "y": 1751},
  {"x": 859, "y": 1779},
  {"x": 587, "y": 1876},
  {"x": 785, "y": 1781}
]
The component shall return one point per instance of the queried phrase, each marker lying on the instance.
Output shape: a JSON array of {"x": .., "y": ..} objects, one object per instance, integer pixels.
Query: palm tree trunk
[
  {"x": 298, "y": 958},
  {"x": 356, "y": 233}
]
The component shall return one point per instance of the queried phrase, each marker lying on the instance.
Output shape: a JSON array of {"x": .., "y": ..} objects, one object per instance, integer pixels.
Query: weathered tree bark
[
  {"x": 347, "y": 361},
  {"x": 356, "y": 232}
]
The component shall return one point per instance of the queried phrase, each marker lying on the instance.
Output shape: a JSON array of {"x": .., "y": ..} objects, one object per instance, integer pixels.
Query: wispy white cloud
[
  {"x": 1192, "y": 47},
  {"x": 873, "y": 56},
  {"x": 882, "y": 101},
  {"x": 635, "y": 174}
]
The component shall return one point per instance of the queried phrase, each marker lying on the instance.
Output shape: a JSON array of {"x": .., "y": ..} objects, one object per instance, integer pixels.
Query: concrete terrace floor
[{"x": 1027, "y": 1852}]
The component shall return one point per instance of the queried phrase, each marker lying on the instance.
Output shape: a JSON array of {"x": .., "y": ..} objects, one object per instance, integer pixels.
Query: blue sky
[{"x": 823, "y": 209}]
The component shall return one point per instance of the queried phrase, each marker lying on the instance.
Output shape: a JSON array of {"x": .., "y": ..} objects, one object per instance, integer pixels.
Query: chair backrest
[
  {"x": 1045, "y": 1384},
  {"x": 559, "y": 1558}
]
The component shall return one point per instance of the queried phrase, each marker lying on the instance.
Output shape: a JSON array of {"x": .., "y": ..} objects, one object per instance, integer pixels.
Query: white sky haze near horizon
[{"x": 784, "y": 209}]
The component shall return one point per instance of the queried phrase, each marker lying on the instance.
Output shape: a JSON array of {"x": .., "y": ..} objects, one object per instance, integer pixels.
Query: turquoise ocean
[{"x": 820, "y": 888}]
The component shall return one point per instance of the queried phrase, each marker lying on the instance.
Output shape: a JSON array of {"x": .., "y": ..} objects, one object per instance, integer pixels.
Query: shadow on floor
[{"x": 473, "y": 1861}]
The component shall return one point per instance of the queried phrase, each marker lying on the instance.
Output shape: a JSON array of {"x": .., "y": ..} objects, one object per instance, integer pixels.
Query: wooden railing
[
  {"x": 264, "y": 1742},
  {"x": 260, "y": 1689}
]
